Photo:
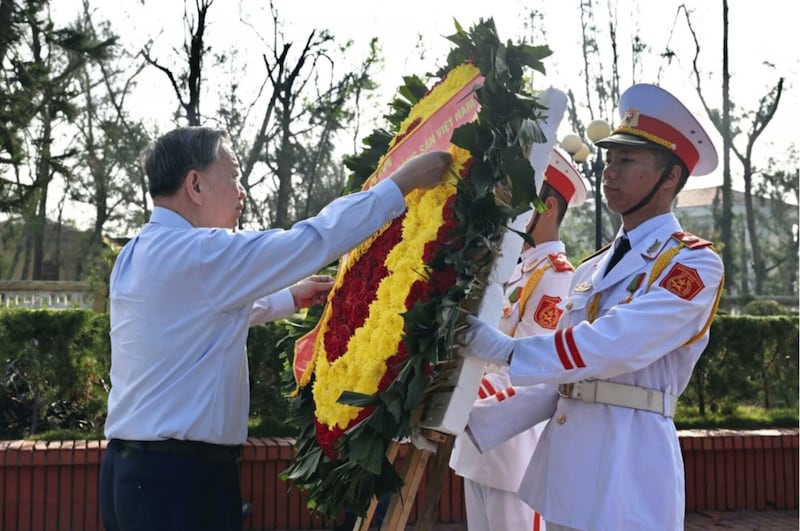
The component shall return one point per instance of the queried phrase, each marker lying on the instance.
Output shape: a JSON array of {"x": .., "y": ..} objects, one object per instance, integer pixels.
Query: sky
[{"x": 412, "y": 33}]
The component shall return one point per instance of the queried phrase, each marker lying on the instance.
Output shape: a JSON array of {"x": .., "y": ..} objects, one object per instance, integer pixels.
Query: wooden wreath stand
[{"x": 412, "y": 472}]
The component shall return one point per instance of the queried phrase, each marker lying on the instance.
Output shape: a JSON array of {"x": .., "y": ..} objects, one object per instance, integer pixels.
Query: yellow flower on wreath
[
  {"x": 371, "y": 345},
  {"x": 362, "y": 367}
]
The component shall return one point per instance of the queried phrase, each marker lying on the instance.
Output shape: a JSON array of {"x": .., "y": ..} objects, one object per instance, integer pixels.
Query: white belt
[{"x": 619, "y": 394}]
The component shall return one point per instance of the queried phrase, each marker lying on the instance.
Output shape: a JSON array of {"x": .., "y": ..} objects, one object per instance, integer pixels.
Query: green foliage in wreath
[{"x": 499, "y": 141}]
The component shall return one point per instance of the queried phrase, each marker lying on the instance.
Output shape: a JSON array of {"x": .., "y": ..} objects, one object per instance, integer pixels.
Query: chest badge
[
  {"x": 548, "y": 313},
  {"x": 635, "y": 284},
  {"x": 583, "y": 286},
  {"x": 513, "y": 297}
]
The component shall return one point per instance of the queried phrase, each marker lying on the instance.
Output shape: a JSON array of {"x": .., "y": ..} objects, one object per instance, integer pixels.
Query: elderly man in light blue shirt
[{"x": 183, "y": 293}]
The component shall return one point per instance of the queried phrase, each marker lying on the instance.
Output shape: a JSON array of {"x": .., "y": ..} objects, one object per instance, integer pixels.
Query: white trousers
[{"x": 491, "y": 509}]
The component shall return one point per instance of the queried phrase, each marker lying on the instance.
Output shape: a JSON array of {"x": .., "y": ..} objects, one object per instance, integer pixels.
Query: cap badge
[{"x": 631, "y": 118}]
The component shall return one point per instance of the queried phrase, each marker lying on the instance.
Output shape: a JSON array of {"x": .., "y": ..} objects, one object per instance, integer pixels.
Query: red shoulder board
[
  {"x": 691, "y": 241},
  {"x": 560, "y": 262}
]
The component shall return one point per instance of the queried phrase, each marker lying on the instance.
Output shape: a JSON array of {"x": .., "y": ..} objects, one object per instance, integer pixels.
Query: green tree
[
  {"x": 286, "y": 134},
  {"x": 40, "y": 69},
  {"x": 187, "y": 83},
  {"x": 107, "y": 177},
  {"x": 778, "y": 192},
  {"x": 600, "y": 90},
  {"x": 735, "y": 122},
  {"x": 308, "y": 118}
]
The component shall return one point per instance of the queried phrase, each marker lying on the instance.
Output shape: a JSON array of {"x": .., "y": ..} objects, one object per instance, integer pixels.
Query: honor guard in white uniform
[
  {"x": 534, "y": 301},
  {"x": 635, "y": 323}
]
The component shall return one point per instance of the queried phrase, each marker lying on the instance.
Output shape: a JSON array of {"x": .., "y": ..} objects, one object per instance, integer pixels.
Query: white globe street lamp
[
  {"x": 598, "y": 129},
  {"x": 571, "y": 143},
  {"x": 582, "y": 154}
]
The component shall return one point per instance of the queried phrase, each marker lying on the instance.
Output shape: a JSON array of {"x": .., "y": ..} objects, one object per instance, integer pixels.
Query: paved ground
[
  {"x": 743, "y": 520},
  {"x": 714, "y": 521},
  {"x": 707, "y": 521}
]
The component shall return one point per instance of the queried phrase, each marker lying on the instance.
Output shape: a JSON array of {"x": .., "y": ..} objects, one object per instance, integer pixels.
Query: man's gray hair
[{"x": 167, "y": 159}]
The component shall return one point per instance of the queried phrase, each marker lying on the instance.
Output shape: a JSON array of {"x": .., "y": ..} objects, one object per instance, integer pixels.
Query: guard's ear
[
  {"x": 673, "y": 178},
  {"x": 552, "y": 206}
]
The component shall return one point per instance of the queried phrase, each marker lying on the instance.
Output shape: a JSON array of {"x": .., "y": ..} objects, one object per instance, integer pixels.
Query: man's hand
[
  {"x": 311, "y": 291},
  {"x": 423, "y": 171},
  {"x": 484, "y": 342}
]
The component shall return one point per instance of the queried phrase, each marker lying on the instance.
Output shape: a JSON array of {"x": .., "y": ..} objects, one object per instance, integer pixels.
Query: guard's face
[
  {"x": 223, "y": 193},
  {"x": 629, "y": 175}
]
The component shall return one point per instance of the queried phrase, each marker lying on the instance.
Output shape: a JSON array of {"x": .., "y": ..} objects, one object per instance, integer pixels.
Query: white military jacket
[
  {"x": 547, "y": 268},
  {"x": 606, "y": 468}
]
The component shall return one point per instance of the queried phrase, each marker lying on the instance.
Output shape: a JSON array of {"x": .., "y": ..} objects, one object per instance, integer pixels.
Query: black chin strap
[
  {"x": 536, "y": 218},
  {"x": 646, "y": 199}
]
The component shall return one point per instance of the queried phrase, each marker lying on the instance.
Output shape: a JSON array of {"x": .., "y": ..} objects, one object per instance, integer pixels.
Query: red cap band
[
  {"x": 559, "y": 182},
  {"x": 662, "y": 134}
]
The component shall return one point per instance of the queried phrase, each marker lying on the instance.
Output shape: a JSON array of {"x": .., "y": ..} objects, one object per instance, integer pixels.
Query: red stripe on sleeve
[
  {"x": 562, "y": 354},
  {"x": 486, "y": 389},
  {"x": 510, "y": 391},
  {"x": 573, "y": 348}
]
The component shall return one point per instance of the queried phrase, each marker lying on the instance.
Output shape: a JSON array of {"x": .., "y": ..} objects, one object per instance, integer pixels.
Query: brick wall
[
  {"x": 730, "y": 470},
  {"x": 53, "y": 485}
]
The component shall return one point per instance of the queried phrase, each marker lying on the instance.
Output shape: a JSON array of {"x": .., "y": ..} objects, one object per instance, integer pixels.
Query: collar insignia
[{"x": 583, "y": 286}]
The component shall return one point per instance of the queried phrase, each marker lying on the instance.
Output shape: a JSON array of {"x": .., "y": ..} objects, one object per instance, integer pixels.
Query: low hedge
[{"x": 57, "y": 364}]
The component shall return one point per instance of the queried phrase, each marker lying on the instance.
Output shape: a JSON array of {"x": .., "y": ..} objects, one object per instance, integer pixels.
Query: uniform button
[
  {"x": 561, "y": 419},
  {"x": 569, "y": 306}
]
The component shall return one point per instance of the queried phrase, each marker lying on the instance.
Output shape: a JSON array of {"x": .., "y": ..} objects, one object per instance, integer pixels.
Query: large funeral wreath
[{"x": 384, "y": 338}]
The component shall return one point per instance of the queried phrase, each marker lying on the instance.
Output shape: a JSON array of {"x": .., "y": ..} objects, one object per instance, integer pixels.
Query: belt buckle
[{"x": 565, "y": 390}]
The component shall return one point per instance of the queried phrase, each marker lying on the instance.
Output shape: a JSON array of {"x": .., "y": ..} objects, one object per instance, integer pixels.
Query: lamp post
[
  {"x": 580, "y": 152},
  {"x": 596, "y": 130}
]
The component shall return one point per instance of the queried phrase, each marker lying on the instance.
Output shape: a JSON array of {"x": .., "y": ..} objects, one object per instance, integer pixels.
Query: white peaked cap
[
  {"x": 562, "y": 175},
  {"x": 651, "y": 115}
]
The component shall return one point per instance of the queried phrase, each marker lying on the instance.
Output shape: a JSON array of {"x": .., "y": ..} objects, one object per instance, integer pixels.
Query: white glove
[
  {"x": 484, "y": 342},
  {"x": 422, "y": 442}
]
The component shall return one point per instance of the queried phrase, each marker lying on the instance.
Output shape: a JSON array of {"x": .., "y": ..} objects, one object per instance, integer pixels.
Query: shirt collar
[
  {"x": 643, "y": 230},
  {"x": 543, "y": 249},
  {"x": 169, "y": 218}
]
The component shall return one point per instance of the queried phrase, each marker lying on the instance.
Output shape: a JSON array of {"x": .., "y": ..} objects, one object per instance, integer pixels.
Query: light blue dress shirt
[{"x": 182, "y": 299}]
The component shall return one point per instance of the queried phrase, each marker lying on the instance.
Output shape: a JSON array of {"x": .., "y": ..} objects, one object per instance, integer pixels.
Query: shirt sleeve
[
  {"x": 240, "y": 268},
  {"x": 629, "y": 336},
  {"x": 278, "y": 305},
  {"x": 500, "y": 416}
]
